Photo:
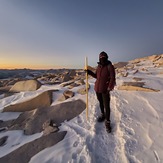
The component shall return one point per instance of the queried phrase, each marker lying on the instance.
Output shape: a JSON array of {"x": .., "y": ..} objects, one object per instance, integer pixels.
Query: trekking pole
[{"x": 86, "y": 67}]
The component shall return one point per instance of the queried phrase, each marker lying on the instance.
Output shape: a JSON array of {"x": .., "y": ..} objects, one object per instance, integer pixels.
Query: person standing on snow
[{"x": 105, "y": 82}]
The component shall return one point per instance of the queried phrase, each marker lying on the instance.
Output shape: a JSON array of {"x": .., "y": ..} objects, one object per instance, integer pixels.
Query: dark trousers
[{"x": 104, "y": 101}]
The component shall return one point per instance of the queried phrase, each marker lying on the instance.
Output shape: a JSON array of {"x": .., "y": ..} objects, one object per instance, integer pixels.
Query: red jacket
[{"x": 105, "y": 76}]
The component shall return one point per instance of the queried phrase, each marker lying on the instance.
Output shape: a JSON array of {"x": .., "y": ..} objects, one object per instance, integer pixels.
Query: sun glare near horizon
[
  {"x": 8, "y": 65},
  {"x": 19, "y": 66}
]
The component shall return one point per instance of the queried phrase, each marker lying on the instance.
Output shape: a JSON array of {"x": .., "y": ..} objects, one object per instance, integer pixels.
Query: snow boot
[
  {"x": 108, "y": 126},
  {"x": 101, "y": 118}
]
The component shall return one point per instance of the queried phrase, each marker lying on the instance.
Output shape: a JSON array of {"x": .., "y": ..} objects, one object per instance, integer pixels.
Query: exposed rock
[
  {"x": 129, "y": 66},
  {"x": 42, "y": 100},
  {"x": 76, "y": 84},
  {"x": 157, "y": 58},
  {"x": 29, "y": 85},
  {"x": 136, "y": 71},
  {"x": 82, "y": 90},
  {"x": 9, "y": 82},
  {"x": 3, "y": 140},
  {"x": 32, "y": 121},
  {"x": 72, "y": 73},
  {"x": 79, "y": 72},
  {"x": 66, "y": 78},
  {"x": 137, "y": 79},
  {"x": 50, "y": 79},
  {"x": 13, "y": 81},
  {"x": 50, "y": 129},
  {"x": 62, "y": 98},
  {"x": 80, "y": 82},
  {"x": 73, "y": 85},
  {"x": 153, "y": 58},
  {"x": 120, "y": 64},
  {"x": 75, "y": 78},
  {"x": 138, "y": 84},
  {"x": 3, "y": 129},
  {"x": 6, "y": 124},
  {"x": 135, "y": 86},
  {"x": 7, "y": 94},
  {"x": 67, "y": 83},
  {"x": 49, "y": 126},
  {"x": 68, "y": 94},
  {"x": 160, "y": 64},
  {"x": 49, "y": 123},
  {"x": 4, "y": 90},
  {"x": 135, "y": 61},
  {"x": 27, "y": 151},
  {"x": 49, "y": 76},
  {"x": 125, "y": 74},
  {"x": 159, "y": 61}
]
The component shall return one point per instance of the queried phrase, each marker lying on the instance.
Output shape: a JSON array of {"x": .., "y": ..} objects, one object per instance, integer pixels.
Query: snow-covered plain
[{"x": 136, "y": 119}]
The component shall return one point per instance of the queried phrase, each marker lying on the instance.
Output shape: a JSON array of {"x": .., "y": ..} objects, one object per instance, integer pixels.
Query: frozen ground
[{"x": 136, "y": 119}]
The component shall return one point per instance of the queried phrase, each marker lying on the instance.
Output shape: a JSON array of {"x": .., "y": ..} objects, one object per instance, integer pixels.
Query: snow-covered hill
[{"x": 136, "y": 119}]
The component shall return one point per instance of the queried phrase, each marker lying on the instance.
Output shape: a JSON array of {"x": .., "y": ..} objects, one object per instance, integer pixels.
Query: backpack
[{"x": 114, "y": 72}]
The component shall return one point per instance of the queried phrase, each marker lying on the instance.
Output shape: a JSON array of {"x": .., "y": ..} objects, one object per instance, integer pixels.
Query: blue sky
[{"x": 60, "y": 33}]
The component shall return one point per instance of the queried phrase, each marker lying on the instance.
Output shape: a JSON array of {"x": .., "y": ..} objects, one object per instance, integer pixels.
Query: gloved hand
[
  {"x": 108, "y": 90},
  {"x": 87, "y": 71}
]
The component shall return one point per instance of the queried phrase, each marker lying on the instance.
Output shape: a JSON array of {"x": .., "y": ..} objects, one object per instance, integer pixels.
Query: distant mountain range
[{"x": 22, "y": 73}]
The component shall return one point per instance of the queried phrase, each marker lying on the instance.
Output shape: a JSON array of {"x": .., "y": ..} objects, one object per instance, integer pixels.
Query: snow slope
[{"x": 136, "y": 118}]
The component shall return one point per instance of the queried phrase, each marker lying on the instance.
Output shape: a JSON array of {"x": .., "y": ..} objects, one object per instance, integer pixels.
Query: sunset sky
[{"x": 60, "y": 33}]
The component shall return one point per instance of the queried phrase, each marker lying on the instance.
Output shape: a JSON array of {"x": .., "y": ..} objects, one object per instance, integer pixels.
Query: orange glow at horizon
[
  {"x": 28, "y": 66},
  {"x": 6, "y": 63},
  {"x": 24, "y": 61},
  {"x": 19, "y": 66}
]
